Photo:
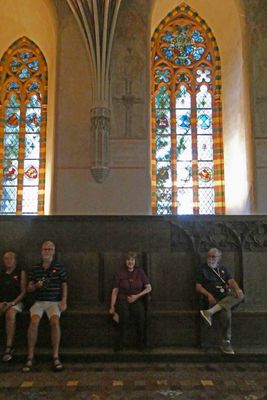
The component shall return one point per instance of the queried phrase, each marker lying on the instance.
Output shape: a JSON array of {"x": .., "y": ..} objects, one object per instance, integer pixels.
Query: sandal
[
  {"x": 28, "y": 366},
  {"x": 57, "y": 365},
  {"x": 8, "y": 354}
]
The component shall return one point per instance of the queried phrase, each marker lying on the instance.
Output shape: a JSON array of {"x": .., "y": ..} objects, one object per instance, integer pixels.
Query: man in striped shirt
[{"x": 48, "y": 281}]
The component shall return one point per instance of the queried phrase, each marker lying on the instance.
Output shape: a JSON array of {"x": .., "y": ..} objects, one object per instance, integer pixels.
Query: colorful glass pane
[
  {"x": 12, "y": 86},
  {"x": 205, "y": 148},
  {"x": 24, "y": 74},
  {"x": 205, "y": 174},
  {"x": 32, "y": 146},
  {"x": 184, "y": 148},
  {"x": 204, "y": 99},
  {"x": 12, "y": 119},
  {"x": 31, "y": 172},
  {"x": 163, "y": 98},
  {"x": 163, "y": 121},
  {"x": 9, "y": 199},
  {"x": 183, "y": 122},
  {"x": 30, "y": 200},
  {"x": 163, "y": 144},
  {"x": 163, "y": 75},
  {"x": 11, "y": 145},
  {"x": 15, "y": 65},
  {"x": 34, "y": 87},
  {"x": 204, "y": 122},
  {"x": 34, "y": 102},
  {"x": 206, "y": 201},
  {"x": 33, "y": 119},
  {"x": 25, "y": 56},
  {"x": 10, "y": 172},
  {"x": 203, "y": 75},
  {"x": 185, "y": 201},
  {"x": 183, "y": 77},
  {"x": 184, "y": 174},
  {"x": 181, "y": 45},
  {"x": 164, "y": 201},
  {"x": 13, "y": 101},
  {"x": 183, "y": 98},
  {"x": 164, "y": 178},
  {"x": 34, "y": 65}
]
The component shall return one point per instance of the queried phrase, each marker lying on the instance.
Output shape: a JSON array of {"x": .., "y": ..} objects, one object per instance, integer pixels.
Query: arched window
[
  {"x": 187, "y": 147},
  {"x": 23, "y": 109}
]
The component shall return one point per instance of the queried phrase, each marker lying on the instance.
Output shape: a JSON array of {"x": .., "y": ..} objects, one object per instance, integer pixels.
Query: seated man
[
  {"x": 48, "y": 281},
  {"x": 222, "y": 293}
]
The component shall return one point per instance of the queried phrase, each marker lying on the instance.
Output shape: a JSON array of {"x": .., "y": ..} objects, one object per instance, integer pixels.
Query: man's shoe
[
  {"x": 226, "y": 347},
  {"x": 206, "y": 316}
]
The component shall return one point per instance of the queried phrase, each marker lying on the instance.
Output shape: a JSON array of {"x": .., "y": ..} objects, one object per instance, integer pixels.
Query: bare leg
[
  {"x": 10, "y": 326},
  {"x": 32, "y": 335},
  {"x": 55, "y": 334}
]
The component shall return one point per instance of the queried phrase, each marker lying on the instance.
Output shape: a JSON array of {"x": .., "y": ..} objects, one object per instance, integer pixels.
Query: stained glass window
[
  {"x": 187, "y": 147},
  {"x": 23, "y": 111}
]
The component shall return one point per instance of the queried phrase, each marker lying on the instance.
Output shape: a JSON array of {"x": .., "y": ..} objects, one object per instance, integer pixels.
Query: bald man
[{"x": 222, "y": 293}]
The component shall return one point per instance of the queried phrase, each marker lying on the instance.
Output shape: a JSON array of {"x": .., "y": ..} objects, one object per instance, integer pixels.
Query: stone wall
[
  {"x": 256, "y": 14},
  {"x": 169, "y": 249}
]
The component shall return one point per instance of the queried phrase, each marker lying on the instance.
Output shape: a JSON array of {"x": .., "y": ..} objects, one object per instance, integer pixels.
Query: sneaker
[
  {"x": 206, "y": 316},
  {"x": 226, "y": 347}
]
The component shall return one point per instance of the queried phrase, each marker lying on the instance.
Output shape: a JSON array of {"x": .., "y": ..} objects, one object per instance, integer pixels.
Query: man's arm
[
  {"x": 63, "y": 302},
  {"x": 200, "y": 289},
  {"x": 235, "y": 288}
]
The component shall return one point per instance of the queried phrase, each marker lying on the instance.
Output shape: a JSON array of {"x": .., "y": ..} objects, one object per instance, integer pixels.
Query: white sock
[{"x": 214, "y": 309}]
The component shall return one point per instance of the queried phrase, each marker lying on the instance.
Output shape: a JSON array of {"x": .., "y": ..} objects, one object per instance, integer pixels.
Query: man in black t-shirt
[
  {"x": 48, "y": 281},
  {"x": 221, "y": 292}
]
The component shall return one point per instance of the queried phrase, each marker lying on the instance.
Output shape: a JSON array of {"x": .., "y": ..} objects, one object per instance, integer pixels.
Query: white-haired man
[{"x": 222, "y": 292}]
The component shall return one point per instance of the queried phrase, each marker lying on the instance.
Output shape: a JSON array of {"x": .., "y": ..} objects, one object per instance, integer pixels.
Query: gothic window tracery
[
  {"x": 23, "y": 112},
  {"x": 187, "y": 146}
]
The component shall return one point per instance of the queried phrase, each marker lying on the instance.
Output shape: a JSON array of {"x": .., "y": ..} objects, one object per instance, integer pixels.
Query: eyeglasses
[
  {"x": 213, "y": 256},
  {"x": 47, "y": 249}
]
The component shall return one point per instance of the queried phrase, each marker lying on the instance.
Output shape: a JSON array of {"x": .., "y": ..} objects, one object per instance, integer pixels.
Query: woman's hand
[
  {"x": 112, "y": 310},
  {"x": 132, "y": 298}
]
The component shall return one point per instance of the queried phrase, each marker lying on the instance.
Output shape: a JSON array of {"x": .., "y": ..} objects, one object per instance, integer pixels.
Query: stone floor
[{"x": 136, "y": 381}]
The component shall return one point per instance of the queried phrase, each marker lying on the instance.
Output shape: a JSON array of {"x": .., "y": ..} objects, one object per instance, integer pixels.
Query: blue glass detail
[
  {"x": 184, "y": 121},
  {"x": 34, "y": 65},
  {"x": 24, "y": 74},
  {"x": 204, "y": 121}
]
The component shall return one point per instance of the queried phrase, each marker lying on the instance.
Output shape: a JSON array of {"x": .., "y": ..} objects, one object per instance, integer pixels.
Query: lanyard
[{"x": 218, "y": 275}]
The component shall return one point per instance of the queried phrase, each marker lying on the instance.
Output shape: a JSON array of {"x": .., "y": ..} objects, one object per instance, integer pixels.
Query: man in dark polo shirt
[
  {"x": 48, "y": 282},
  {"x": 221, "y": 292}
]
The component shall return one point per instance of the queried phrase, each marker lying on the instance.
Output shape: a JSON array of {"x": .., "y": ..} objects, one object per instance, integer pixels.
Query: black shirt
[
  {"x": 211, "y": 281},
  {"x": 10, "y": 285},
  {"x": 53, "y": 277}
]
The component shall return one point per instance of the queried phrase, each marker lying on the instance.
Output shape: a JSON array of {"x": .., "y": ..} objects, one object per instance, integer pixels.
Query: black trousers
[{"x": 136, "y": 312}]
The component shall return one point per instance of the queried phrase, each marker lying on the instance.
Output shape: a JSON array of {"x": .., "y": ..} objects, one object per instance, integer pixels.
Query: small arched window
[
  {"x": 187, "y": 146},
  {"x": 23, "y": 111}
]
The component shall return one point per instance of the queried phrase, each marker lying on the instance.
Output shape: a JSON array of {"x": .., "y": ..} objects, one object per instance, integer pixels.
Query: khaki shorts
[
  {"x": 51, "y": 308},
  {"x": 18, "y": 307}
]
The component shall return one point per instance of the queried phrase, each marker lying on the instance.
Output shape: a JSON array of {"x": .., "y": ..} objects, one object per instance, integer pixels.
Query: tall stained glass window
[
  {"x": 187, "y": 147},
  {"x": 23, "y": 108}
]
